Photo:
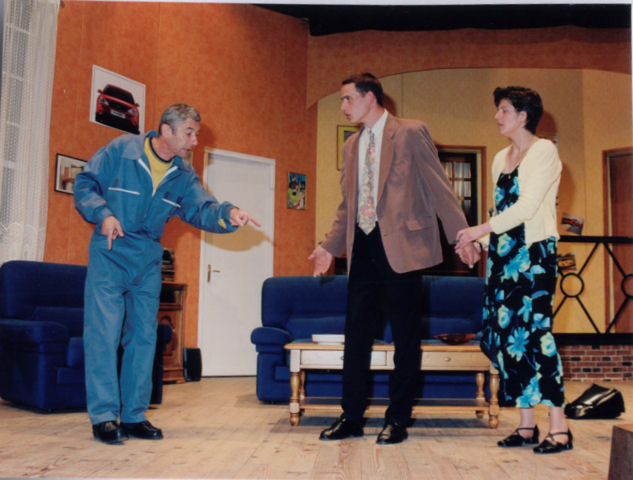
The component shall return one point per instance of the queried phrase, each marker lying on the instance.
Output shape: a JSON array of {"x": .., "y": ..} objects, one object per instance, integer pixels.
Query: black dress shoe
[
  {"x": 550, "y": 445},
  {"x": 392, "y": 433},
  {"x": 144, "y": 430},
  {"x": 109, "y": 432},
  {"x": 342, "y": 428},
  {"x": 515, "y": 439}
]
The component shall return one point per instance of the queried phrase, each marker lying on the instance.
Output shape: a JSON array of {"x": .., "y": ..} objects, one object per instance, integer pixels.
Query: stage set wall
[
  {"x": 262, "y": 83},
  {"x": 241, "y": 66},
  {"x": 585, "y": 82}
]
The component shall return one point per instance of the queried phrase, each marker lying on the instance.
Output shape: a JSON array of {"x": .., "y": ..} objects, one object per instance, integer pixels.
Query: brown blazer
[{"x": 412, "y": 192}]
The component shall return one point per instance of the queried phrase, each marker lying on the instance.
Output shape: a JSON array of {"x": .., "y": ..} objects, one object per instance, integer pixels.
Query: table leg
[
  {"x": 493, "y": 405},
  {"x": 479, "y": 378},
  {"x": 295, "y": 407},
  {"x": 302, "y": 388}
]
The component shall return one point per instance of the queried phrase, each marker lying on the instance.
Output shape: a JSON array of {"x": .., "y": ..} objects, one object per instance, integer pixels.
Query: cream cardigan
[{"x": 539, "y": 177}]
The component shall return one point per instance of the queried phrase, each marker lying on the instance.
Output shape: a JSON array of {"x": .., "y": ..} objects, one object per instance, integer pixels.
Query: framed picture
[
  {"x": 117, "y": 101},
  {"x": 343, "y": 133},
  {"x": 66, "y": 170},
  {"x": 296, "y": 191},
  {"x": 572, "y": 224}
]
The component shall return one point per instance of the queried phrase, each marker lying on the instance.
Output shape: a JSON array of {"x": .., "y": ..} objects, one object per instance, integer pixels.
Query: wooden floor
[{"x": 216, "y": 428}]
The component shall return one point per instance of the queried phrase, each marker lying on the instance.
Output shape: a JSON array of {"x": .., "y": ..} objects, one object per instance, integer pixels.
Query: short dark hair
[
  {"x": 366, "y": 82},
  {"x": 176, "y": 114},
  {"x": 523, "y": 100}
]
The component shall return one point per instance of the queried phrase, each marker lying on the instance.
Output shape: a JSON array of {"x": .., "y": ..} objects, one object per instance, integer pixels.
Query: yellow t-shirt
[{"x": 157, "y": 165}]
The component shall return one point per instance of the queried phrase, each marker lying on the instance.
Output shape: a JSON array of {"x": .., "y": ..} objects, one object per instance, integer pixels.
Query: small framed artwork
[
  {"x": 66, "y": 170},
  {"x": 572, "y": 224},
  {"x": 343, "y": 133},
  {"x": 296, "y": 191}
]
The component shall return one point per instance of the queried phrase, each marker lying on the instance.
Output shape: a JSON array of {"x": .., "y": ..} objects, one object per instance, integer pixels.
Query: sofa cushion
[
  {"x": 71, "y": 376},
  {"x": 71, "y": 317},
  {"x": 452, "y": 296},
  {"x": 281, "y": 373},
  {"x": 28, "y": 331},
  {"x": 286, "y": 297},
  {"x": 304, "y": 326},
  {"x": 75, "y": 354},
  {"x": 28, "y": 348}
]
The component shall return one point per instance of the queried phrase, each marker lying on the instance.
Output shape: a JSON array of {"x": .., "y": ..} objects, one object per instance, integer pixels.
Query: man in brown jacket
[{"x": 394, "y": 188}]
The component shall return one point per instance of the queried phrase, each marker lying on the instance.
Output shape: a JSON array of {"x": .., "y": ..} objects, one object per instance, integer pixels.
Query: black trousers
[{"x": 376, "y": 296}]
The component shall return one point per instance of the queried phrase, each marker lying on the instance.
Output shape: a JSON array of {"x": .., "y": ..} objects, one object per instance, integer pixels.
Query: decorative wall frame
[
  {"x": 343, "y": 132},
  {"x": 66, "y": 169}
]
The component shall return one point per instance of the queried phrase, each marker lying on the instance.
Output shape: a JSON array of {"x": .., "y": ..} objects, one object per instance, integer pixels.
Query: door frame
[
  {"x": 209, "y": 152},
  {"x": 609, "y": 287},
  {"x": 478, "y": 186}
]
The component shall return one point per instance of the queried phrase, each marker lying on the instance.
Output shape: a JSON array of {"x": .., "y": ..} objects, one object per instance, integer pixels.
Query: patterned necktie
[{"x": 367, "y": 209}]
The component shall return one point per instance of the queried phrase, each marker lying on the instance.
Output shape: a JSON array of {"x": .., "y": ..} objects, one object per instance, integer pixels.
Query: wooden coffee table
[{"x": 436, "y": 356}]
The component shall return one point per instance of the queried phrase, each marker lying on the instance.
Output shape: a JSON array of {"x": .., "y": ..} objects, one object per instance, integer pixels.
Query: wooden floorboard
[{"x": 217, "y": 429}]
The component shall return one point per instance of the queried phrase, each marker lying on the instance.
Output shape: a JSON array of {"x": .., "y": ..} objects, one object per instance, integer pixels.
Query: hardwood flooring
[{"x": 216, "y": 428}]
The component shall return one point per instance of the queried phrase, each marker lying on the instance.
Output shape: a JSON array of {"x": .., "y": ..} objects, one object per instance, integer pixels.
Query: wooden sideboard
[{"x": 172, "y": 312}]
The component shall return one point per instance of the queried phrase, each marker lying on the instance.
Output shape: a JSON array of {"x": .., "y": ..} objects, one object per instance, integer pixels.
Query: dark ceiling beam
[{"x": 328, "y": 19}]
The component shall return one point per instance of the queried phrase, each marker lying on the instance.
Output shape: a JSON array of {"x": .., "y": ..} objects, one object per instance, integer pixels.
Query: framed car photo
[{"x": 116, "y": 101}]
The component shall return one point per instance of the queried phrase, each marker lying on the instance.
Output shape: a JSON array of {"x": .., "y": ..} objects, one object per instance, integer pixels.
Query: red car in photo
[{"x": 116, "y": 108}]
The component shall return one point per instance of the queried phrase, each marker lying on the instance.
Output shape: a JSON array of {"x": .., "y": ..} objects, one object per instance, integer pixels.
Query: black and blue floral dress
[{"x": 517, "y": 335}]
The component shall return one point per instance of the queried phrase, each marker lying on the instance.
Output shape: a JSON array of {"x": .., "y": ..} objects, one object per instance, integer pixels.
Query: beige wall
[{"x": 589, "y": 110}]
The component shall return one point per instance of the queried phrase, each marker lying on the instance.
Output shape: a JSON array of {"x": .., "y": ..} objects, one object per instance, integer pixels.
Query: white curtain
[{"x": 28, "y": 62}]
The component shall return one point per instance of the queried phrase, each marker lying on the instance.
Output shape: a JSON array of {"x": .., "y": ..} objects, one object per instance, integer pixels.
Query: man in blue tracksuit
[{"x": 129, "y": 189}]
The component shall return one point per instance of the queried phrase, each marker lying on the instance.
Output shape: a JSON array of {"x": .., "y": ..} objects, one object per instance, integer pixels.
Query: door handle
[{"x": 209, "y": 270}]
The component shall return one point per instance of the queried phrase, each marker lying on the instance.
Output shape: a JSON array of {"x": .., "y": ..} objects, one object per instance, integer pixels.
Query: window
[
  {"x": 461, "y": 170},
  {"x": 463, "y": 167},
  {"x": 28, "y": 50}
]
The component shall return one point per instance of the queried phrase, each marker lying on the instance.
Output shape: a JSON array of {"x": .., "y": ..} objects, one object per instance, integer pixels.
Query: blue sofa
[
  {"x": 41, "y": 345},
  {"x": 296, "y": 307}
]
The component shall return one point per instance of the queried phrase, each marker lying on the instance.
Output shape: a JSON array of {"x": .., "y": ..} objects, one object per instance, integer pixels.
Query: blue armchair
[{"x": 41, "y": 345}]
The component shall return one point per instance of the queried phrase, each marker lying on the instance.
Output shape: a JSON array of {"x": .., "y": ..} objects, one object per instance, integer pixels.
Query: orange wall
[{"x": 241, "y": 66}]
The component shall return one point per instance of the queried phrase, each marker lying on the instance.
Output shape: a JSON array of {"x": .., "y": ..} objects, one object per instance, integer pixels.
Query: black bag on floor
[{"x": 596, "y": 402}]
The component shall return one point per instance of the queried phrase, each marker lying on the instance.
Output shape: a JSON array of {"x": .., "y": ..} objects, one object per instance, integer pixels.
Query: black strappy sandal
[
  {"x": 549, "y": 445},
  {"x": 518, "y": 440}
]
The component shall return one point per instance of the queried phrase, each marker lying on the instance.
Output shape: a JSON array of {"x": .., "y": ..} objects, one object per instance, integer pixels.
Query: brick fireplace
[{"x": 588, "y": 357}]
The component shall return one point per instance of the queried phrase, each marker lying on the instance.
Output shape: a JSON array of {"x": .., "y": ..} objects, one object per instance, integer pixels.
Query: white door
[{"x": 233, "y": 266}]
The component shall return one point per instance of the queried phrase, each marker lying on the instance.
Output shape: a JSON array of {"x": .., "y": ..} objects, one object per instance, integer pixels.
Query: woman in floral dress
[{"x": 521, "y": 272}]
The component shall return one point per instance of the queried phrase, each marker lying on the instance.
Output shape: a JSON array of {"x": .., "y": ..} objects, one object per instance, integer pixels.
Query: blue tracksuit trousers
[{"x": 121, "y": 307}]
